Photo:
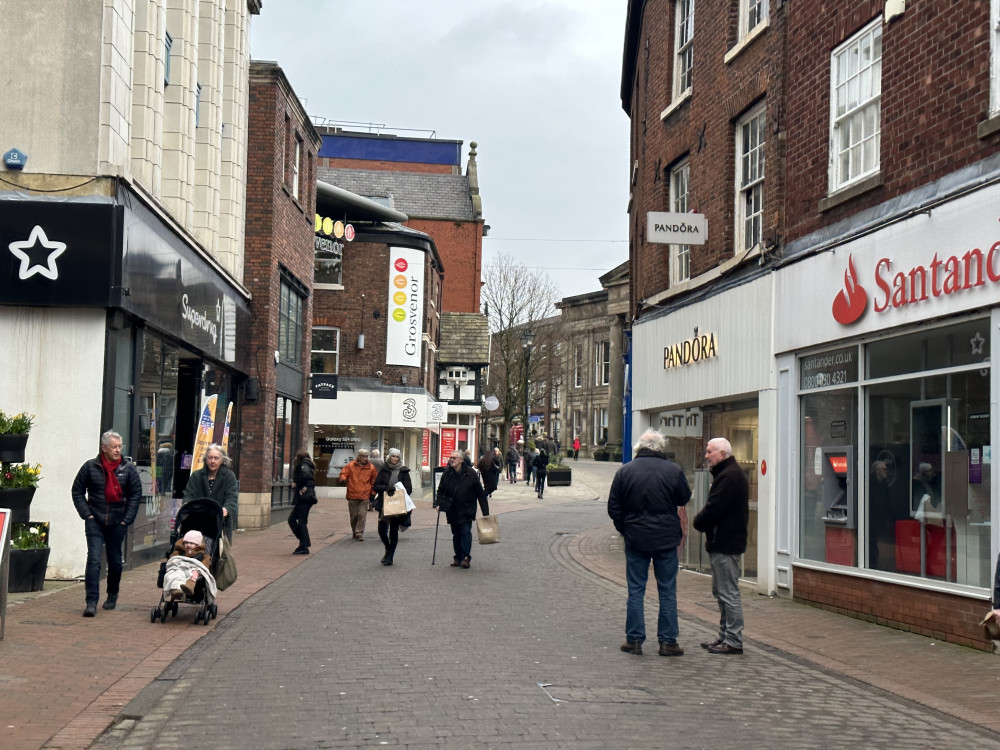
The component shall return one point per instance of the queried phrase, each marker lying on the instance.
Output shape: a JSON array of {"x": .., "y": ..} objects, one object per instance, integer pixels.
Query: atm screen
[{"x": 838, "y": 464}]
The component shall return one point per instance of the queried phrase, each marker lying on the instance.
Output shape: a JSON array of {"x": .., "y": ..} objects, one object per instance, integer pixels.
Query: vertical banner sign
[
  {"x": 447, "y": 444},
  {"x": 154, "y": 489},
  {"x": 206, "y": 429},
  {"x": 426, "y": 453},
  {"x": 225, "y": 431},
  {"x": 405, "y": 321}
]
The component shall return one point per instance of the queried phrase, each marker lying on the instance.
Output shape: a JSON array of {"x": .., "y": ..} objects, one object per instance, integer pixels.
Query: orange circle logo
[{"x": 399, "y": 281}]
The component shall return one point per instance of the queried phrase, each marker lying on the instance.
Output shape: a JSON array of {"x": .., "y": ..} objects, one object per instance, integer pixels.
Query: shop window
[
  {"x": 325, "y": 350},
  {"x": 290, "y": 325},
  {"x": 855, "y": 107},
  {"x": 329, "y": 262},
  {"x": 286, "y": 431}
]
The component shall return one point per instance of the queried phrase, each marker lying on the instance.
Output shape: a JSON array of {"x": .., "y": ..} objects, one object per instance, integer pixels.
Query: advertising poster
[
  {"x": 447, "y": 444},
  {"x": 225, "y": 432},
  {"x": 425, "y": 459},
  {"x": 405, "y": 318},
  {"x": 206, "y": 429}
]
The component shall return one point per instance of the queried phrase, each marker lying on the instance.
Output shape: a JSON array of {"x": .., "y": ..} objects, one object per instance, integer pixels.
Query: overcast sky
[{"x": 534, "y": 82}]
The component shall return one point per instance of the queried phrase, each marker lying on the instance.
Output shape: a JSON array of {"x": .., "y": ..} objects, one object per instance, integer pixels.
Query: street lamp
[{"x": 526, "y": 338}]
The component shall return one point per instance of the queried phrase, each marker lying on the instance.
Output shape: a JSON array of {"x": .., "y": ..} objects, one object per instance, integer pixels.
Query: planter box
[
  {"x": 12, "y": 448},
  {"x": 601, "y": 456},
  {"x": 559, "y": 477},
  {"x": 19, "y": 502},
  {"x": 27, "y": 569}
]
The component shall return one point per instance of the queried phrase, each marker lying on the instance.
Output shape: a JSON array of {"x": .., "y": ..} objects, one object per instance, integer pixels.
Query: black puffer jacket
[
  {"x": 464, "y": 489},
  {"x": 726, "y": 514},
  {"x": 382, "y": 483},
  {"x": 304, "y": 478},
  {"x": 643, "y": 502},
  {"x": 88, "y": 493}
]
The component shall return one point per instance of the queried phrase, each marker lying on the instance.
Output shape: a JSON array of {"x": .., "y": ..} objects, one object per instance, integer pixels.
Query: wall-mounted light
[{"x": 361, "y": 341}]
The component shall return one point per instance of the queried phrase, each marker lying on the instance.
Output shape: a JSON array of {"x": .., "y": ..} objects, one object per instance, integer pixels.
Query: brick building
[
  {"x": 831, "y": 317},
  {"x": 278, "y": 271}
]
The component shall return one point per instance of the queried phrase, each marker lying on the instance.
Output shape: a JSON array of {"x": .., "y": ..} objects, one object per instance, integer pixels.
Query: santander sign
[{"x": 900, "y": 287}]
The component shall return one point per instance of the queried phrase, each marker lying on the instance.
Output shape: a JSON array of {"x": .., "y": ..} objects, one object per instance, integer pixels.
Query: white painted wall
[{"x": 59, "y": 358}]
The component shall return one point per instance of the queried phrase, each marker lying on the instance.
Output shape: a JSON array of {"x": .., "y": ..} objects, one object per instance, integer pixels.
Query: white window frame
[
  {"x": 578, "y": 368},
  {"x": 600, "y": 425},
  {"x": 751, "y": 143},
  {"x": 168, "y": 43},
  {"x": 296, "y": 166},
  {"x": 335, "y": 352},
  {"x": 683, "y": 47},
  {"x": 856, "y": 108},
  {"x": 680, "y": 255},
  {"x": 753, "y": 13},
  {"x": 995, "y": 57},
  {"x": 602, "y": 363},
  {"x": 577, "y": 423}
]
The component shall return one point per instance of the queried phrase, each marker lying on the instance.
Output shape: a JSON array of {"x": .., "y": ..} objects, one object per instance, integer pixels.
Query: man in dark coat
[
  {"x": 513, "y": 458},
  {"x": 642, "y": 503},
  {"x": 724, "y": 521},
  {"x": 106, "y": 492},
  {"x": 460, "y": 486}
]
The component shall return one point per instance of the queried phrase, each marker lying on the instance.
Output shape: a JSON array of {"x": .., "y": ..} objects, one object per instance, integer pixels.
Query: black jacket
[
  {"x": 304, "y": 478},
  {"x": 726, "y": 514},
  {"x": 464, "y": 489},
  {"x": 88, "y": 493},
  {"x": 541, "y": 464},
  {"x": 513, "y": 456},
  {"x": 643, "y": 501},
  {"x": 490, "y": 467},
  {"x": 382, "y": 485}
]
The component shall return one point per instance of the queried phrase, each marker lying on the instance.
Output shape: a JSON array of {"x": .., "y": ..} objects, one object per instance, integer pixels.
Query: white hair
[
  {"x": 651, "y": 440},
  {"x": 724, "y": 446}
]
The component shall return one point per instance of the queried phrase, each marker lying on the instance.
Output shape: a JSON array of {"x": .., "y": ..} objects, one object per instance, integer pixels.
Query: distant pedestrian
[
  {"x": 576, "y": 448},
  {"x": 304, "y": 493},
  {"x": 106, "y": 492},
  {"x": 460, "y": 485},
  {"x": 393, "y": 472},
  {"x": 513, "y": 457},
  {"x": 360, "y": 476},
  {"x": 541, "y": 469},
  {"x": 724, "y": 521},
  {"x": 642, "y": 503},
  {"x": 490, "y": 465},
  {"x": 529, "y": 464},
  {"x": 378, "y": 463}
]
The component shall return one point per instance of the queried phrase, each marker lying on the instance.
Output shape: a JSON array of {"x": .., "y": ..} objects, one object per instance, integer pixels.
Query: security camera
[{"x": 378, "y": 373}]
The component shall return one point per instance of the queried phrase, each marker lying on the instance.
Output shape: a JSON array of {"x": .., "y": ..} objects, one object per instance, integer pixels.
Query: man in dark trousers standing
[
  {"x": 642, "y": 503},
  {"x": 724, "y": 521}
]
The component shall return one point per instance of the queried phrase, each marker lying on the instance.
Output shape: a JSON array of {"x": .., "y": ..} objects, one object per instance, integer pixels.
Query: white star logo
[
  {"x": 30, "y": 268},
  {"x": 977, "y": 342}
]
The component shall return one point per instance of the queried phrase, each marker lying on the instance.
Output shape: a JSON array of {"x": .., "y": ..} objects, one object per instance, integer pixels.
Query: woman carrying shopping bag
[
  {"x": 461, "y": 483},
  {"x": 387, "y": 486}
]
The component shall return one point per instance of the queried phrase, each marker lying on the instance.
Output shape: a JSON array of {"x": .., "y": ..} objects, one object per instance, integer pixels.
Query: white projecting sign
[
  {"x": 676, "y": 229},
  {"x": 405, "y": 321}
]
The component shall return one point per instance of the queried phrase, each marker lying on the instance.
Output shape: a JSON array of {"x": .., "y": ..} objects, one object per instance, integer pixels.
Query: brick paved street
[{"x": 520, "y": 651}]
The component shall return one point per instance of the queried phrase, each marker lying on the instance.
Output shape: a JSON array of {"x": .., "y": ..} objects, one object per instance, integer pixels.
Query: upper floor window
[
  {"x": 296, "y": 166},
  {"x": 197, "y": 104},
  {"x": 600, "y": 425},
  {"x": 329, "y": 261},
  {"x": 578, "y": 367},
  {"x": 855, "y": 107},
  {"x": 680, "y": 255},
  {"x": 168, "y": 42},
  {"x": 325, "y": 350},
  {"x": 683, "y": 50},
  {"x": 752, "y": 14},
  {"x": 995, "y": 62},
  {"x": 750, "y": 142},
  {"x": 290, "y": 325},
  {"x": 602, "y": 363}
]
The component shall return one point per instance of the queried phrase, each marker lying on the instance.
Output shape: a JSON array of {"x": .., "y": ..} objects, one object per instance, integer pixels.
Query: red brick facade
[
  {"x": 387, "y": 166},
  {"x": 279, "y": 236}
]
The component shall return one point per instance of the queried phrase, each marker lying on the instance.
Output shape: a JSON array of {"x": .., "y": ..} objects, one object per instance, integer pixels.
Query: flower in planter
[
  {"x": 16, "y": 424},
  {"x": 33, "y": 535},
  {"x": 18, "y": 476}
]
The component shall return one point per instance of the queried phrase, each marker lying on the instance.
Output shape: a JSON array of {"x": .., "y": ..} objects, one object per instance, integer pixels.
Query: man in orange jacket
[{"x": 359, "y": 475}]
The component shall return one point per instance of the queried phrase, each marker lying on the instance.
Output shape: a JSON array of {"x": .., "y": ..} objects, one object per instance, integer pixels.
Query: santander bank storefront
[{"x": 886, "y": 402}]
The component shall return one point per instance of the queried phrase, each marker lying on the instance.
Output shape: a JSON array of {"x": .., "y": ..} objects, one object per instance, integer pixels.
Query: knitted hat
[
  {"x": 394, "y": 452},
  {"x": 194, "y": 537}
]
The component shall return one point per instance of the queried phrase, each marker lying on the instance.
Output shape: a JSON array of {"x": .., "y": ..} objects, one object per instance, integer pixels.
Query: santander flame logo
[{"x": 852, "y": 301}]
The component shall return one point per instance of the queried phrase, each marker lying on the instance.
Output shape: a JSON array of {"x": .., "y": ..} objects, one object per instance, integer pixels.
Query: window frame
[
  {"x": 838, "y": 180},
  {"x": 291, "y": 309},
  {"x": 748, "y": 10},
  {"x": 602, "y": 363},
  {"x": 296, "y": 166},
  {"x": 168, "y": 43},
  {"x": 752, "y": 160},
  {"x": 995, "y": 58},
  {"x": 335, "y": 352},
  {"x": 578, "y": 367},
  {"x": 683, "y": 47},
  {"x": 600, "y": 425},
  {"x": 680, "y": 255}
]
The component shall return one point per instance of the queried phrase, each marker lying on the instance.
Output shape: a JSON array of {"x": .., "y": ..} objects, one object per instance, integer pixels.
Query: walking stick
[{"x": 436, "y": 526}]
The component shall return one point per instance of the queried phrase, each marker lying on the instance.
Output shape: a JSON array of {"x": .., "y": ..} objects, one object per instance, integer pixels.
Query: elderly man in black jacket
[
  {"x": 642, "y": 503},
  {"x": 106, "y": 492},
  {"x": 458, "y": 492},
  {"x": 724, "y": 521}
]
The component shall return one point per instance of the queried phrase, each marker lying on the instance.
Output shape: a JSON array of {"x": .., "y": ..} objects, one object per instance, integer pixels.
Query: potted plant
[
  {"x": 558, "y": 475},
  {"x": 29, "y": 556},
  {"x": 14, "y": 429},
  {"x": 17, "y": 488}
]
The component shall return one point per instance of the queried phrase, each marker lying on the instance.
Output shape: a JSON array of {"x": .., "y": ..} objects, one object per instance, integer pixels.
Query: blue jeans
[
  {"x": 726, "y": 589},
  {"x": 637, "y": 572},
  {"x": 101, "y": 537},
  {"x": 461, "y": 540}
]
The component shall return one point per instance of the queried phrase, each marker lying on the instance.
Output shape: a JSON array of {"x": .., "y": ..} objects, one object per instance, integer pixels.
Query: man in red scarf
[{"x": 106, "y": 493}]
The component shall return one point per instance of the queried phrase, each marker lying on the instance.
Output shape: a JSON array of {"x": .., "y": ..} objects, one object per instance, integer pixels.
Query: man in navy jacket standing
[
  {"x": 642, "y": 503},
  {"x": 724, "y": 521}
]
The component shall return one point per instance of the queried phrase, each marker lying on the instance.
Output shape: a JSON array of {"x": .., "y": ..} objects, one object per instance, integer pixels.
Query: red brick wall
[
  {"x": 279, "y": 233},
  {"x": 387, "y": 166},
  {"x": 935, "y": 92},
  {"x": 701, "y": 129},
  {"x": 460, "y": 245},
  {"x": 947, "y": 617}
]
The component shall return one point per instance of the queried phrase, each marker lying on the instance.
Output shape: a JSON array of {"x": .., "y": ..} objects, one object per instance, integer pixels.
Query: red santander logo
[{"x": 852, "y": 301}]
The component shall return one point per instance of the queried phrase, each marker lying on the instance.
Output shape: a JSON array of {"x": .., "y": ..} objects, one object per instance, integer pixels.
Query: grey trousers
[{"x": 726, "y": 590}]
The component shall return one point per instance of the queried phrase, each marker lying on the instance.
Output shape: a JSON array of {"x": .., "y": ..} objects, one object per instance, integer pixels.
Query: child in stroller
[{"x": 187, "y": 576}]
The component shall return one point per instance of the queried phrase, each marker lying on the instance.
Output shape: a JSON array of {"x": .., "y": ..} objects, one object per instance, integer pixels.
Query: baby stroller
[{"x": 204, "y": 515}]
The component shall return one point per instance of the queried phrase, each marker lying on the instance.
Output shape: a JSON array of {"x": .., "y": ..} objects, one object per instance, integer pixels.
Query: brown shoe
[
  {"x": 709, "y": 644},
  {"x": 671, "y": 649},
  {"x": 176, "y": 595},
  {"x": 359, "y": 536},
  {"x": 466, "y": 562},
  {"x": 188, "y": 587},
  {"x": 632, "y": 647},
  {"x": 724, "y": 648}
]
